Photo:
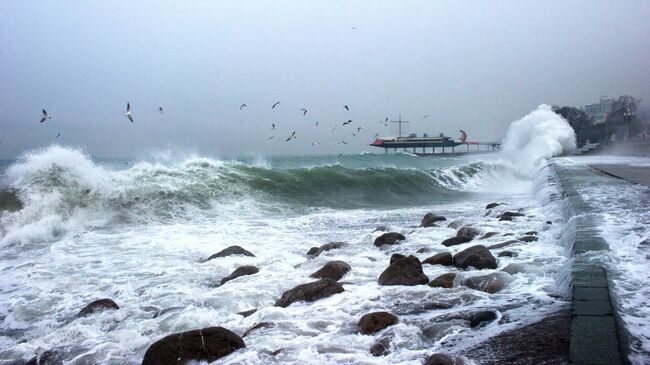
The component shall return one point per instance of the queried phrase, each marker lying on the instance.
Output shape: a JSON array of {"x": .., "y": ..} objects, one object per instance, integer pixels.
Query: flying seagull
[
  {"x": 316, "y": 125},
  {"x": 270, "y": 138},
  {"x": 58, "y": 135},
  {"x": 353, "y": 134},
  {"x": 425, "y": 116},
  {"x": 315, "y": 143},
  {"x": 359, "y": 129},
  {"x": 160, "y": 109},
  {"x": 384, "y": 123},
  {"x": 304, "y": 111},
  {"x": 275, "y": 104},
  {"x": 45, "y": 116},
  {"x": 347, "y": 107},
  {"x": 292, "y": 136},
  {"x": 348, "y": 122},
  {"x": 333, "y": 129},
  {"x": 242, "y": 106},
  {"x": 344, "y": 142},
  {"x": 128, "y": 112},
  {"x": 272, "y": 126}
]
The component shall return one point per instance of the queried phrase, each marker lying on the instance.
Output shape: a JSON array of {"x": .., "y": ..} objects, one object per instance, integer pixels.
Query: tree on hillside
[
  {"x": 578, "y": 120},
  {"x": 622, "y": 116}
]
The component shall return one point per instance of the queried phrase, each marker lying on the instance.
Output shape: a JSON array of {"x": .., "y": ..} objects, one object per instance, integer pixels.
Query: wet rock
[
  {"x": 508, "y": 234},
  {"x": 480, "y": 318},
  {"x": 98, "y": 306},
  {"x": 316, "y": 251},
  {"x": 531, "y": 233},
  {"x": 508, "y": 216},
  {"x": 443, "y": 258},
  {"x": 430, "y": 219},
  {"x": 424, "y": 250},
  {"x": 376, "y": 321},
  {"x": 488, "y": 235},
  {"x": 505, "y": 218},
  {"x": 436, "y": 331},
  {"x": 491, "y": 283},
  {"x": 507, "y": 254},
  {"x": 382, "y": 346},
  {"x": 162, "y": 312},
  {"x": 443, "y": 359},
  {"x": 444, "y": 281},
  {"x": 468, "y": 231},
  {"x": 49, "y": 357},
  {"x": 310, "y": 292},
  {"x": 453, "y": 241},
  {"x": 455, "y": 224},
  {"x": 333, "y": 270},
  {"x": 406, "y": 271},
  {"x": 477, "y": 256},
  {"x": 396, "y": 256},
  {"x": 513, "y": 269},
  {"x": 549, "y": 222},
  {"x": 240, "y": 271},
  {"x": 502, "y": 244},
  {"x": 389, "y": 238},
  {"x": 248, "y": 312},
  {"x": 528, "y": 238},
  {"x": 492, "y": 205},
  {"x": 381, "y": 228},
  {"x": 206, "y": 344},
  {"x": 256, "y": 327},
  {"x": 229, "y": 251}
]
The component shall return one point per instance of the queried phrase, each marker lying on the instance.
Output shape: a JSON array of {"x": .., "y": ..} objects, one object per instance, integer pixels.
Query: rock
[
  {"x": 46, "y": 358},
  {"x": 443, "y": 258},
  {"x": 443, "y": 359},
  {"x": 248, "y": 312},
  {"x": 310, "y": 292},
  {"x": 389, "y": 238},
  {"x": 477, "y": 256},
  {"x": 444, "y": 281},
  {"x": 509, "y": 215},
  {"x": 436, "y": 331},
  {"x": 455, "y": 224},
  {"x": 376, "y": 321},
  {"x": 229, "y": 251},
  {"x": 315, "y": 251},
  {"x": 492, "y": 205},
  {"x": 488, "y": 235},
  {"x": 502, "y": 244},
  {"x": 396, "y": 256},
  {"x": 256, "y": 327},
  {"x": 381, "y": 228},
  {"x": 508, "y": 234},
  {"x": 206, "y": 344},
  {"x": 98, "y": 306},
  {"x": 531, "y": 233},
  {"x": 528, "y": 238},
  {"x": 162, "y": 312},
  {"x": 477, "y": 319},
  {"x": 333, "y": 270},
  {"x": 424, "y": 250},
  {"x": 513, "y": 269},
  {"x": 549, "y": 222},
  {"x": 468, "y": 231},
  {"x": 430, "y": 219},
  {"x": 453, "y": 241},
  {"x": 505, "y": 218},
  {"x": 240, "y": 271},
  {"x": 491, "y": 283},
  {"x": 507, "y": 254},
  {"x": 407, "y": 271},
  {"x": 382, "y": 346}
]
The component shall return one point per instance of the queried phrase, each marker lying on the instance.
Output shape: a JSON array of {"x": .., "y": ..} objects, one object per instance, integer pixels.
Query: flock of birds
[{"x": 45, "y": 116}]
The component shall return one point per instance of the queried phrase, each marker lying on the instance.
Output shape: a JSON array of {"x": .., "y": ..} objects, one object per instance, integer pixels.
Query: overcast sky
[{"x": 476, "y": 66}]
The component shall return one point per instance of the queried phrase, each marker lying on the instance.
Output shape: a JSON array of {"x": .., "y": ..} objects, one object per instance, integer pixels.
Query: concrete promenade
[{"x": 636, "y": 174}]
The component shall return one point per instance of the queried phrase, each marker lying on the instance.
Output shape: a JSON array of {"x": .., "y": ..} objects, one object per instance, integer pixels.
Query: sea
[{"x": 139, "y": 231}]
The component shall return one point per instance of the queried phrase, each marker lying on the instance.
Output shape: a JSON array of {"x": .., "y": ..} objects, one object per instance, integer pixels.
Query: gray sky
[{"x": 478, "y": 66}]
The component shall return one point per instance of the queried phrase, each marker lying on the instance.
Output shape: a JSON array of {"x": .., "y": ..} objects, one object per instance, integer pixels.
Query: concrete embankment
[{"x": 594, "y": 337}]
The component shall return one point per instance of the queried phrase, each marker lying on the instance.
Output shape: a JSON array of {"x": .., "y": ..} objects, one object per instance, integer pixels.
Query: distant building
[{"x": 598, "y": 112}]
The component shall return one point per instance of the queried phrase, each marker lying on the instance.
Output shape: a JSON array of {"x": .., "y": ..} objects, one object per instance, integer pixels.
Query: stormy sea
[{"x": 143, "y": 232}]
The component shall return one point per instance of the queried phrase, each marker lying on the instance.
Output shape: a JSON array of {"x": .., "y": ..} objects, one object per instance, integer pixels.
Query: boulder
[
  {"x": 507, "y": 254},
  {"x": 430, "y": 219},
  {"x": 229, "y": 251},
  {"x": 333, "y": 270},
  {"x": 240, "y": 271},
  {"x": 491, "y": 283},
  {"x": 46, "y": 358},
  {"x": 502, "y": 244},
  {"x": 315, "y": 251},
  {"x": 453, "y": 241},
  {"x": 389, "y": 238},
  {"x": 437, "y": 330},
  {"x": 528, "y": 238},
  {"x": 396, "y": 256},
  {"x": 468, "y": 231},
  {"x": 477, "y": 256},
  {"x": 513, "y": 269},
  {"x": 509, "y": 215},
  {"x": 531, "y": 233},
  {"x": 406, "y": 271},
  {"x": 455, "y": 224},
  {"x": 310, "y": 292},
  {"x": 376, "y": 321},
  {"x": 382, "y": 346},
  {"x": 505, "y": 218},
  {"x": 206, "y": 344},
  {"x": 424, "y": 250},
  {"x": 479, "y": 318},
  {"x": 549, "y": 222},
  {"x": 256, "y": 327},
  {"x": 444, "y": 281},
  {"x": 443, "y": 359},
  {"x": 98, "y": 306},
  {"x": 488, "y": 235},
  {"x": 248, "y": 312},
  {"x": 492, "y": 205},
  {"x": 443, "y": 258}
]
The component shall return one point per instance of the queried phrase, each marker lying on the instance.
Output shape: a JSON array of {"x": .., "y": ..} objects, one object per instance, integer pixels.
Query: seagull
[
  {"x": 359, "y": 129},
  {"x": 128, "y": 112},
  {"x": 347, "y": 107},
  {"x": 270, "y": 138},
  {"x": 45, "y": 116},
  {"x": 275, "y": 104},
  {"x": 348, "y": 122},
  {"x": 384, "y": 123},
  {"x": 425, "y": 116},
  {"x": 160, "y": 109},
  {"x": 376, "y": 135},
  {"x": 333, "y": 129},
  {"x": 344, "y": 142},
  {"x": 315, "y": 143},
  {"x": 304, "y": 111},
  {"x": 292, "y": 136},
  {"x": 316, "y": 125},
  {"x": 242, "y": 106},
  {"x": 272, "y": 126},
  {"x": 353, "y": 134},
  {"x": 58, "y": 135}
]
